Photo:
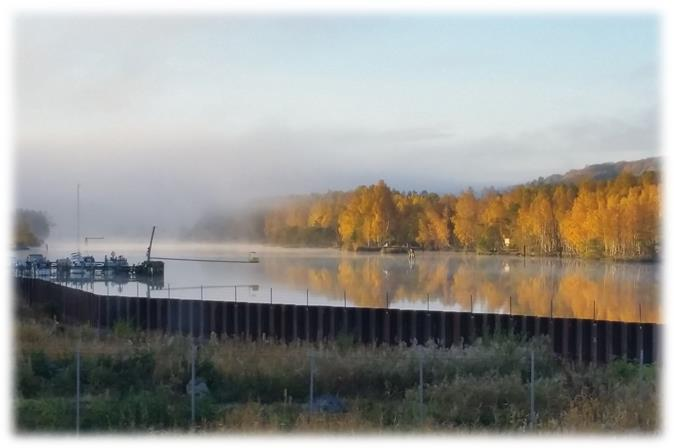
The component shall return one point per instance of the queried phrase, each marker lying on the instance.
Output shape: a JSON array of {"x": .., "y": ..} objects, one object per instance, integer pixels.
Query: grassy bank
[{"x": 133, "y": 381}]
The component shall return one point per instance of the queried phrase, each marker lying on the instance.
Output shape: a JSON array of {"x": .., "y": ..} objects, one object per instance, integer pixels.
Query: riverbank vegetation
[
  {"x": 616, "y": 218},
  {"x": 132, "y": 381}
]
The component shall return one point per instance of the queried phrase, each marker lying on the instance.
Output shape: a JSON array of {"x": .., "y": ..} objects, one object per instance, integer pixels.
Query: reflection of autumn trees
[{"x": 573, "y": 287}]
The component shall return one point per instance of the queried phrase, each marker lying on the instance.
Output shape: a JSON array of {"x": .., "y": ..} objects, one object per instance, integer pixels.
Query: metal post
[
  {"x": 77, "y": 390},
  {"x": 137, "y": 290},
  {"x": 191, "y": 318},
  {"x": 532, "y": 412},
  {"x": 511, "y": 305},
  {"x": 234, "y": 293},
  {"x": 271, "y": 295},
  {"x": 192, "y": 393},
  {"x": 107, "y": 306},
  {"x": 421, "y": 387},
  {"x": 344, "y": 298},
  {"x": 201, "y": 314},
  {"x": 311, "y": 383},
  {"x": 307, "y": 296},
  {"x": 169, "y": 290},
  {"x": 78, "y": 218},
  {"x": 594, "y": 348},
  {"x": 387, "y": 302},
  {"x": 428, "y": 302},
  {"x": 641, "y": 364}
]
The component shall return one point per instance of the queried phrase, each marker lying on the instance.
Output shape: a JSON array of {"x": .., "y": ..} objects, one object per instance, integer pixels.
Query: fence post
[
  {"x": 421, "y": 387},
  {"x": 98, "y": 316},
  {"x": 77, "y": 389},
  {"x": 641, "y": 365},
  {"x": 107, "y": 304},
  {"x": 201, "y": 315},
  {"x": 311, "y": 383},
  {"x": 192, "y": 393},
  {"x": 532, "y": 412}
]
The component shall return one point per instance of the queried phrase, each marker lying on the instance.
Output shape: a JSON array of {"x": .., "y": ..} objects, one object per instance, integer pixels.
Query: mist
[{"x": 163, "y": 120}]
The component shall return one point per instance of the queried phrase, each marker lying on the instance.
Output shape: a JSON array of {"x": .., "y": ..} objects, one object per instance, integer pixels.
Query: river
[{"x": 435, "y": 280}]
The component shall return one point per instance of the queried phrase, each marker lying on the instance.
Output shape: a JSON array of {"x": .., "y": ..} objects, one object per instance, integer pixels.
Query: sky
[{"x": 161, "y": 118}]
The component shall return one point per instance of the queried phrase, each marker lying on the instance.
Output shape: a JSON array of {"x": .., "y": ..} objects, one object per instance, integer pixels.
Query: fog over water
[
  {"x": 162, "y": 118},
  {"x": 436, "y": 280}
]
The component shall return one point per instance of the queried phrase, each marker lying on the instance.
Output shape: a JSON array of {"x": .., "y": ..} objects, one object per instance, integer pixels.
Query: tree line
[
  {"x": 616, "y": 218},
  {"x": 31, "y": 228}
]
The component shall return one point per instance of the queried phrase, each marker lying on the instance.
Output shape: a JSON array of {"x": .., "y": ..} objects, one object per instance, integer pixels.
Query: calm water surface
[{"x": 436, "y": 280}]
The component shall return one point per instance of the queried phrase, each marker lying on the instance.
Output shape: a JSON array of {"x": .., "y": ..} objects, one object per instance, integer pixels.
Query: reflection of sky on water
[{"x": 436, "y": 280}]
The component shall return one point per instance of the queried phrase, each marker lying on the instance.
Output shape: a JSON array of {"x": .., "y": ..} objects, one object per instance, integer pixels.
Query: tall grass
[{"x": 136, "y": 381}]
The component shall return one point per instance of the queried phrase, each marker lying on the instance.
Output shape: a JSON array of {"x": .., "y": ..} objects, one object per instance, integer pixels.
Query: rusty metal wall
[{"x": 584, "y": 340}]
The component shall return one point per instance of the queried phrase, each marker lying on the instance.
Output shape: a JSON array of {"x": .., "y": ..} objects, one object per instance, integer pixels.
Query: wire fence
[
  {"x": 315, "y": 359},
  {"x": 323, "y": 369}
]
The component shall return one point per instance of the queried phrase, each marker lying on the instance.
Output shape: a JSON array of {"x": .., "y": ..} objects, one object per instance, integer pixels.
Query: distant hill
[{"x": 604, "y": 171}]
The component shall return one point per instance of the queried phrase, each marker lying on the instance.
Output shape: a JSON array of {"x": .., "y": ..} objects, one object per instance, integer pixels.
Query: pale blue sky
[{"x": 206, "y": 106}]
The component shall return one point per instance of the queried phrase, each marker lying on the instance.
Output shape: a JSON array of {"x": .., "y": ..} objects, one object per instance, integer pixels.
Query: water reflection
[
  {"x": 567, "y": 288},
  {"x": 445, "y": 280}
]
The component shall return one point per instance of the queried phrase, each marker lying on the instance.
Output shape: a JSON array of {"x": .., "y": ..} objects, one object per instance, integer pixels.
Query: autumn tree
[{"x": 465, "y": 219}]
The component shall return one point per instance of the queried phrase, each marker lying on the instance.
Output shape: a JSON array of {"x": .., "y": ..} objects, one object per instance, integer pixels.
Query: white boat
[{"x": 76, "y": 264}]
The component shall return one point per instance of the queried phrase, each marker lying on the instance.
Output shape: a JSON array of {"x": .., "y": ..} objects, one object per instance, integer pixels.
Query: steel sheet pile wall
[{"x": 580, "y": 339}]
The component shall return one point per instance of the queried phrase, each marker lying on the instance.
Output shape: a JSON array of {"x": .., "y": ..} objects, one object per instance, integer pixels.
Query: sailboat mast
[{"x": 78, "y": 218}]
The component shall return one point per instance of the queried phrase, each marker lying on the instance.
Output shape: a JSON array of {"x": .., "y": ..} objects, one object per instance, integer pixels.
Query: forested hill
[
  {"x": 618, "y": 217},
  {"x": 604, "y": 171}
]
